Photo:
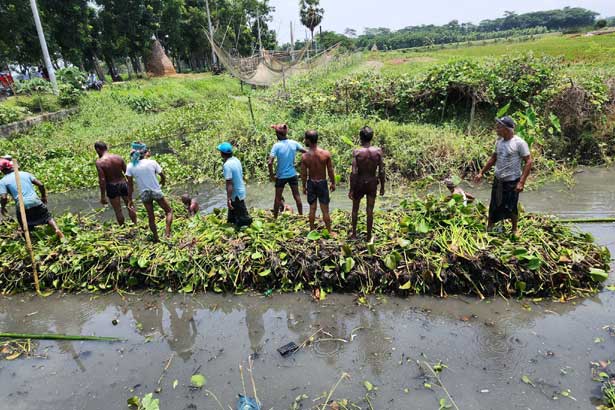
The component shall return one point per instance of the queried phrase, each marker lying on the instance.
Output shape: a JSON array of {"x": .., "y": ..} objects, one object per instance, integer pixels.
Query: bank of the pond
[{"x": 424, "y": 247}]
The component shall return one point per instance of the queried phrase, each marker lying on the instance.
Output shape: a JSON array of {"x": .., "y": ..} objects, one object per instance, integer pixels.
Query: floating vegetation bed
[{"x": 430, "y": 246}]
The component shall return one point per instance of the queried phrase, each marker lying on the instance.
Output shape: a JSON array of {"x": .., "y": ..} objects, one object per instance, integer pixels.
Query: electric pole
[
  {"x": 41, "y": 37},
  {"x": 258, "y": 24},
  {"x": 292, "y": 42},
  {"x": 211, "y": 33}
]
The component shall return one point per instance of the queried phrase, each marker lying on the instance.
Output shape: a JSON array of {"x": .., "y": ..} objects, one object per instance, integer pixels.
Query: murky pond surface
[{"x": 487, "y": 345}]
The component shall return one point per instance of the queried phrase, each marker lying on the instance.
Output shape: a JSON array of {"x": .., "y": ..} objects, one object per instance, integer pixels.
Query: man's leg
[
  {"x": 515, "y": 220},
  {"x": 169, "y": 215},
  {"x": 151, "y": 218},
  {"x": 130, "y": 207},
  {"x": 324, "y": 208},
  {"x": 117, "y": 208},
  {"x": 312, "y": 216},
  {"x": 277, "y": 200},
  {"x": 297, "y": 196},
  {"x": 371, "y": 201},
  {"x": 57, "y": 230},
  {"x": 356, "y": 203}
]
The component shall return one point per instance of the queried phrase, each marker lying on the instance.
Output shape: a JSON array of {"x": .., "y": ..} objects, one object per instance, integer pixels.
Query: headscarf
[{"x": 137, "y": 151}]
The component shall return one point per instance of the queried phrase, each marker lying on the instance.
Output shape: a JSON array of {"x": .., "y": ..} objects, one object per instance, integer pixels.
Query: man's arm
[
  {"x": 270, "y": 166},
  {"x": 229, "y": 194},
  {"x": 3, "y": 200},
  {"x": 486, "y": 168},
  {"x": 163, "y": 178},
  {"x": 304, "y": 174},
  {"x": 331, "y": 173},
  {"x": 526, "y": 173},
  {"x": 41, "y": 188},
  {"x": 102, "y": 183},
  {"x": 353, "y": 173},
  {"x": 381, "y": 173},
  {"x": 130, "y": 186}
]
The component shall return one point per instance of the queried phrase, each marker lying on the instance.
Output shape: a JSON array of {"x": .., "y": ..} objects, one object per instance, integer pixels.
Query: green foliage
[
  {"x": 71, "y": 76},
  {"x": 10, "y": 113},
  {"x": 435, "y": 245},
  {"x": 69, "y": 96},
  {"x": 35, "y": 86}
]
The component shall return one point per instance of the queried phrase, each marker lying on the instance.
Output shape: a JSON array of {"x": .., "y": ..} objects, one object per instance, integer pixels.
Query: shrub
[
  {"x": 69, "y": 95},
  {"x": 71, "y": 76},
  {"x": 9, "y": 114}
]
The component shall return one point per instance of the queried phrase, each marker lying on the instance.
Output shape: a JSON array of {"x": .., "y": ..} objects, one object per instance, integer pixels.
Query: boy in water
[
  {"x": 284, "y": 151},
  {"x": 367, "y": 172},
  {"x": 111, "y": 170},
  {"x": 315, "y": 165},
  {"x": 145, "y": 172},
  {"x": 455, "y": 189},
  {"x": 191, "y": 205}
]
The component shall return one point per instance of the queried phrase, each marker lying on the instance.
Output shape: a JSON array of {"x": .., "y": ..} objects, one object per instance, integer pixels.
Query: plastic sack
[{"x": 247, "y": 403}]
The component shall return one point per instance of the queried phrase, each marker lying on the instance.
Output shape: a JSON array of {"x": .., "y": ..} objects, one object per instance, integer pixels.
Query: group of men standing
[{"x": 367, "y": 178}]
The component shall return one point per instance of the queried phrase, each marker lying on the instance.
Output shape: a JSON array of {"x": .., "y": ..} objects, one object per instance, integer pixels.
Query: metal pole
[
  {"x": 211, "y": 33},
  {"x": 41, "y": 37},
  {"x": 260, "y": 43}
]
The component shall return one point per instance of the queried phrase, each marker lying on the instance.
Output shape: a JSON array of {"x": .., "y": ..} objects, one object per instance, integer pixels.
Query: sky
[{"x": 396, "y": 14}]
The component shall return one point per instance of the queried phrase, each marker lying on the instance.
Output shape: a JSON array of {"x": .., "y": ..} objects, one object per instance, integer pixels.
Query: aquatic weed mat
[{"x": 431, "y": 246}]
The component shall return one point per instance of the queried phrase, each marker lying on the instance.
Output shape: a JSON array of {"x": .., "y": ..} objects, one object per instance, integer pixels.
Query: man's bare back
[
  {"x": 367, "y": 171},
  {"x": 368, "y": 160},
  {"x": 316, "y": 161},
  {"x": 113, "y": 168}
]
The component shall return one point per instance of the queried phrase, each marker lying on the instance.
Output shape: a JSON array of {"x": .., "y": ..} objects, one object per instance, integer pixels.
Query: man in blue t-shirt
[
  {"x": 235, "y": 187},
  {"x": 284, "y": 151},
  {"x": 36, "y": 209}
]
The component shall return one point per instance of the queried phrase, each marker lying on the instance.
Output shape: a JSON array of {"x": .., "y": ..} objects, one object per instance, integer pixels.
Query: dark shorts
[
  {"x": 118, "y": 189},
  {"x": 318, "y": 190},
  {"x": 365, "y": 187},
  {"x": 504, "y": 200},
  {"x": 281, "y": 182},
  {"x": 37, "y": 215},
  {"x": 239, "y": 215}
]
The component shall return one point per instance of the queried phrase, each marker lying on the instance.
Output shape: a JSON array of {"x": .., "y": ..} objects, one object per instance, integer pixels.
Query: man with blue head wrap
[{"x": 145, "y": 172}]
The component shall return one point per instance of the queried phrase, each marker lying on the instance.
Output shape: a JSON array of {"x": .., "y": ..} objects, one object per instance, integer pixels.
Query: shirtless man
[
  {"x": 367, "y": 172},
  {"x": 315, "y": 164},
  {"x": 112, "y": 181},
  {"x": 190, "y": 204}
]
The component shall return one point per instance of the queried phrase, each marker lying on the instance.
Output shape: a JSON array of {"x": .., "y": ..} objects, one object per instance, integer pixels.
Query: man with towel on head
[
  {"x": 510, "y": 152},
  {"x": 145, "y": 172}
]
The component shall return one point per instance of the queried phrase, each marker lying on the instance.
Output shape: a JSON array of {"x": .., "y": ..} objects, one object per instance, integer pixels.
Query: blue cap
[
  {"x": 225, "y": 148},
  {"x": 506, "y": 121}
]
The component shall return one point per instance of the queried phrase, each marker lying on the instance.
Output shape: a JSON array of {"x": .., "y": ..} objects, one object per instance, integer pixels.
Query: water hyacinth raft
[{"x": 430, "y": 246}]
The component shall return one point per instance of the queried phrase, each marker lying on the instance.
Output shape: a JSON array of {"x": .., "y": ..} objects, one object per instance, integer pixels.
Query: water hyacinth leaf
[
  {"x": 348, "y": 264},
  {"x": 598, "y": 275},
  {"x": 149, "y": 403},
  {"x": 392, "y": 260},
  {"x": 256, "y": 255},
  {"x": 406, "y": 286},
  {"x": 403, "y": 243},
  {"x": 534, "y": 263},
  {"x": 264, "y": 273},
  {"x": 187, "y": 289},
  {"x": 143, "y": 262},
  {"x": 134, "y": 401},
  {"x": 422, "y": 226},
  {"x": 368, "y": 386},
  {"x": 197, "y": 381},
  {"x": 525, "y": 379},
  {"x": 521, "y": 286},
  {"x": 314, "y": 236},
  {"x": 346, "y": 251}
]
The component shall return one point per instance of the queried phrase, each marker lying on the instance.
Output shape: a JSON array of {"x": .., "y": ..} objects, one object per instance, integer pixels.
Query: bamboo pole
[
  {"x": 24, "y": 225},
  {"x": 53, "y": 336}
]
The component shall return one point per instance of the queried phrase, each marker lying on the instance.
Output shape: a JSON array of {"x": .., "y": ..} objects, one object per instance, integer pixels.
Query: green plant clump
[{"x": 430, "y": 246}]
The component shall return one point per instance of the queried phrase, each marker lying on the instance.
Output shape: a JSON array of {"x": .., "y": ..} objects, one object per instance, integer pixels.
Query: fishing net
[{"x": 271, "y": 66}]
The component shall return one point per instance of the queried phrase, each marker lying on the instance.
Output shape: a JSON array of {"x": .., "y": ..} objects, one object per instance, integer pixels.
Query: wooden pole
[
  {"x": 24, "y": 225},
  {"x": 251, "y": 111}
]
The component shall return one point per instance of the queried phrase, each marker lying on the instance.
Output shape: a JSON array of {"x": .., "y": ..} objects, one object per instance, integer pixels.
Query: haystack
[{"x": 159, "y": 64}]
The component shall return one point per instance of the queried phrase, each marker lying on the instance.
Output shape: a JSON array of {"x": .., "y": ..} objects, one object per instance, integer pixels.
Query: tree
[
  {"x": 350, "y": 32},
  {"x": 311, "y": 15},
  {"x": 601, "y": 23}
]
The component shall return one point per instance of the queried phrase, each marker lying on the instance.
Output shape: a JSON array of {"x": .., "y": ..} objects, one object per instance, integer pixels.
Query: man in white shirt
[
  {"x": 509, "y": 181},
  {"x": 144, "y": 172}
]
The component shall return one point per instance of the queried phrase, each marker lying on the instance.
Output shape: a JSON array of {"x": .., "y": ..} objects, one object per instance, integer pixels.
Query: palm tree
[{"x": 311, "y": 15}]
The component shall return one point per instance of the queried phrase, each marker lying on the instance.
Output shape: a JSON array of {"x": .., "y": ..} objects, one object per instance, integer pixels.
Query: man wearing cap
[
  {"x": 36, "y": 209},
  {"x": 235, "y": 187},
  {"x": 509, "y": 181},
  {"x": 145, "y": 172},
  {"x": 284, "y": 151}
]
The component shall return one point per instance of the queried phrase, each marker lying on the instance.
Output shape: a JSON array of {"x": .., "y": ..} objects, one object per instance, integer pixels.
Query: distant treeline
[
  {"x": 86, "y": 32},
  {"x": 511, "y": 25}
]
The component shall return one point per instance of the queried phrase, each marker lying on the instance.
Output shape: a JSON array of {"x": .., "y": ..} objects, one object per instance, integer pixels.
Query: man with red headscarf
[
  {"x": 284, "y": 151},
  {"x": 36, "y": 209}
]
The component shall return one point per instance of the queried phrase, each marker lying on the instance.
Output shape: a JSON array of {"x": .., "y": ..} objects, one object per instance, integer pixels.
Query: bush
[
  {"x": 9, "y": 114},
  {"x": 36, "y": 88},
  {"x": 69, "y": 96},
  {"x": 71, "y": 76}
]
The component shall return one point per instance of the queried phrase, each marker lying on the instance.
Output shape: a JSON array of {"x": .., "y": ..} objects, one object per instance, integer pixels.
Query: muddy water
[{"x": 487, "y": 345}]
